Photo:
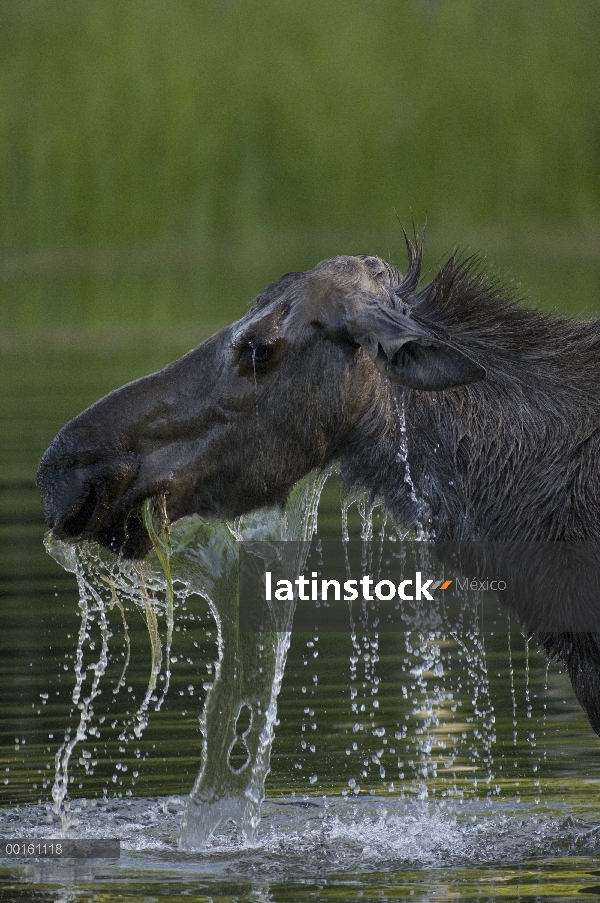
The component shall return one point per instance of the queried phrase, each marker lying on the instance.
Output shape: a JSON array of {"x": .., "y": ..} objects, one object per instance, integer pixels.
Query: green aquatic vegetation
[{"x": 157, "y": 524}]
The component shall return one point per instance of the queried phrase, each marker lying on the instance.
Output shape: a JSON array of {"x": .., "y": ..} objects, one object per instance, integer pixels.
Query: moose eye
[
  {"x": 255, "y": 357},
  {"x": 261, "y": 353}
]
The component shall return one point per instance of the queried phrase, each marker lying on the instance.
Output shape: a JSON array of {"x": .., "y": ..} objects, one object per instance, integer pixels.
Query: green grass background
[{"x": 161, "y": 159}]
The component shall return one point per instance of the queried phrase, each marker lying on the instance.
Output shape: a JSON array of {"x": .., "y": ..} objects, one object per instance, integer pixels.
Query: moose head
[{"x": 234, "y": 424}]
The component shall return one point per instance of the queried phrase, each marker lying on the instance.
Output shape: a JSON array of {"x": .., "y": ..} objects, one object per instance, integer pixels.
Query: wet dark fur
[{"x": 513, "y": 457}]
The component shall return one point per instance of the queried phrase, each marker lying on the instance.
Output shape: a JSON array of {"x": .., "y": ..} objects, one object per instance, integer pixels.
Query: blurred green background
[{"x": 160, "y": 160}]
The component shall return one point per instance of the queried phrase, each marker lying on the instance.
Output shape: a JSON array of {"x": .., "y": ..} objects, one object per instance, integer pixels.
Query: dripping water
[
  {"x": 423, "y": 529},
  {"x": 511, "y": 673},
  {"x": 192, "y": 560},
  {"x": 104, "y": 583},
  {"x": 417, "y": 758}
]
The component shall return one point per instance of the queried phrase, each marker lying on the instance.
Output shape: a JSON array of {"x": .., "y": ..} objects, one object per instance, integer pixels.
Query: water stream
[
  {"x": 193, "y": 559},
  {"x": 398, "y": 758},
  {"x": 442, "y": 745}
]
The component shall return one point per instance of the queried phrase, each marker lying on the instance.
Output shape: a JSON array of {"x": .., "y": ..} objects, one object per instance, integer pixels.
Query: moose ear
[
  {"x": 432, "y": 366},
  {"x": 405, "y": 351}
]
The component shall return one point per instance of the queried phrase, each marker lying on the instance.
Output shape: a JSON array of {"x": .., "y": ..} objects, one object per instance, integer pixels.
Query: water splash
[
  {"x": 105, "y": 582},
  {"x": 433, "y": 705},
  {"x": 191, "y": 559},
  {"x": 89, "y": 602},
  {"x": 248, "y": 678},
  {"x": 445, "y": 744},
  {"x": 419, "y": 757}
]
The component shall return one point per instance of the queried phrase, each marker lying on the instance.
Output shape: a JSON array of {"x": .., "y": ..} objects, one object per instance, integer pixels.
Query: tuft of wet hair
[{"x": 409, "y": 283}]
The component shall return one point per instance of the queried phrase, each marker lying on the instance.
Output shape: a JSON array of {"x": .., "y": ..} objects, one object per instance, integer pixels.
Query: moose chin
[{"x": 501, "y": 416}]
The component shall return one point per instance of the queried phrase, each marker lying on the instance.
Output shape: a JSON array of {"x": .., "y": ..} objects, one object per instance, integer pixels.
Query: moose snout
[{"x": 79, "y": 489}]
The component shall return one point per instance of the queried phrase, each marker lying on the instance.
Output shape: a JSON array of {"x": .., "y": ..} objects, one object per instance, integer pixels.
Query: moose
[{"x": 497, "y": 405}]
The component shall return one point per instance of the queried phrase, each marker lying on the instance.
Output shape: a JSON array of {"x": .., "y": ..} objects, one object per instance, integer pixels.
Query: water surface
[{"x": 346, "y": 817}]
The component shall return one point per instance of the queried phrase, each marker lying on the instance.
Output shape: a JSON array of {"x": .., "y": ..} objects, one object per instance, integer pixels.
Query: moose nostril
[{"x": 76, "y": 521}]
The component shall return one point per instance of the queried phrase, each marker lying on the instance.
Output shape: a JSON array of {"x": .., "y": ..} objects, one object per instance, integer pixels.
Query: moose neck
[{"x": 512, "y": 457}]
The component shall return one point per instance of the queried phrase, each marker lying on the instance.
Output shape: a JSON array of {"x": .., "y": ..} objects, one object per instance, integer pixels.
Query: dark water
[{"x": 484, "y": 782}]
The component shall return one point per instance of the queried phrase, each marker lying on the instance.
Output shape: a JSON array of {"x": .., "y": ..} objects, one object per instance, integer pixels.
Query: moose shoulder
[{"x": 499, "y": 407}]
